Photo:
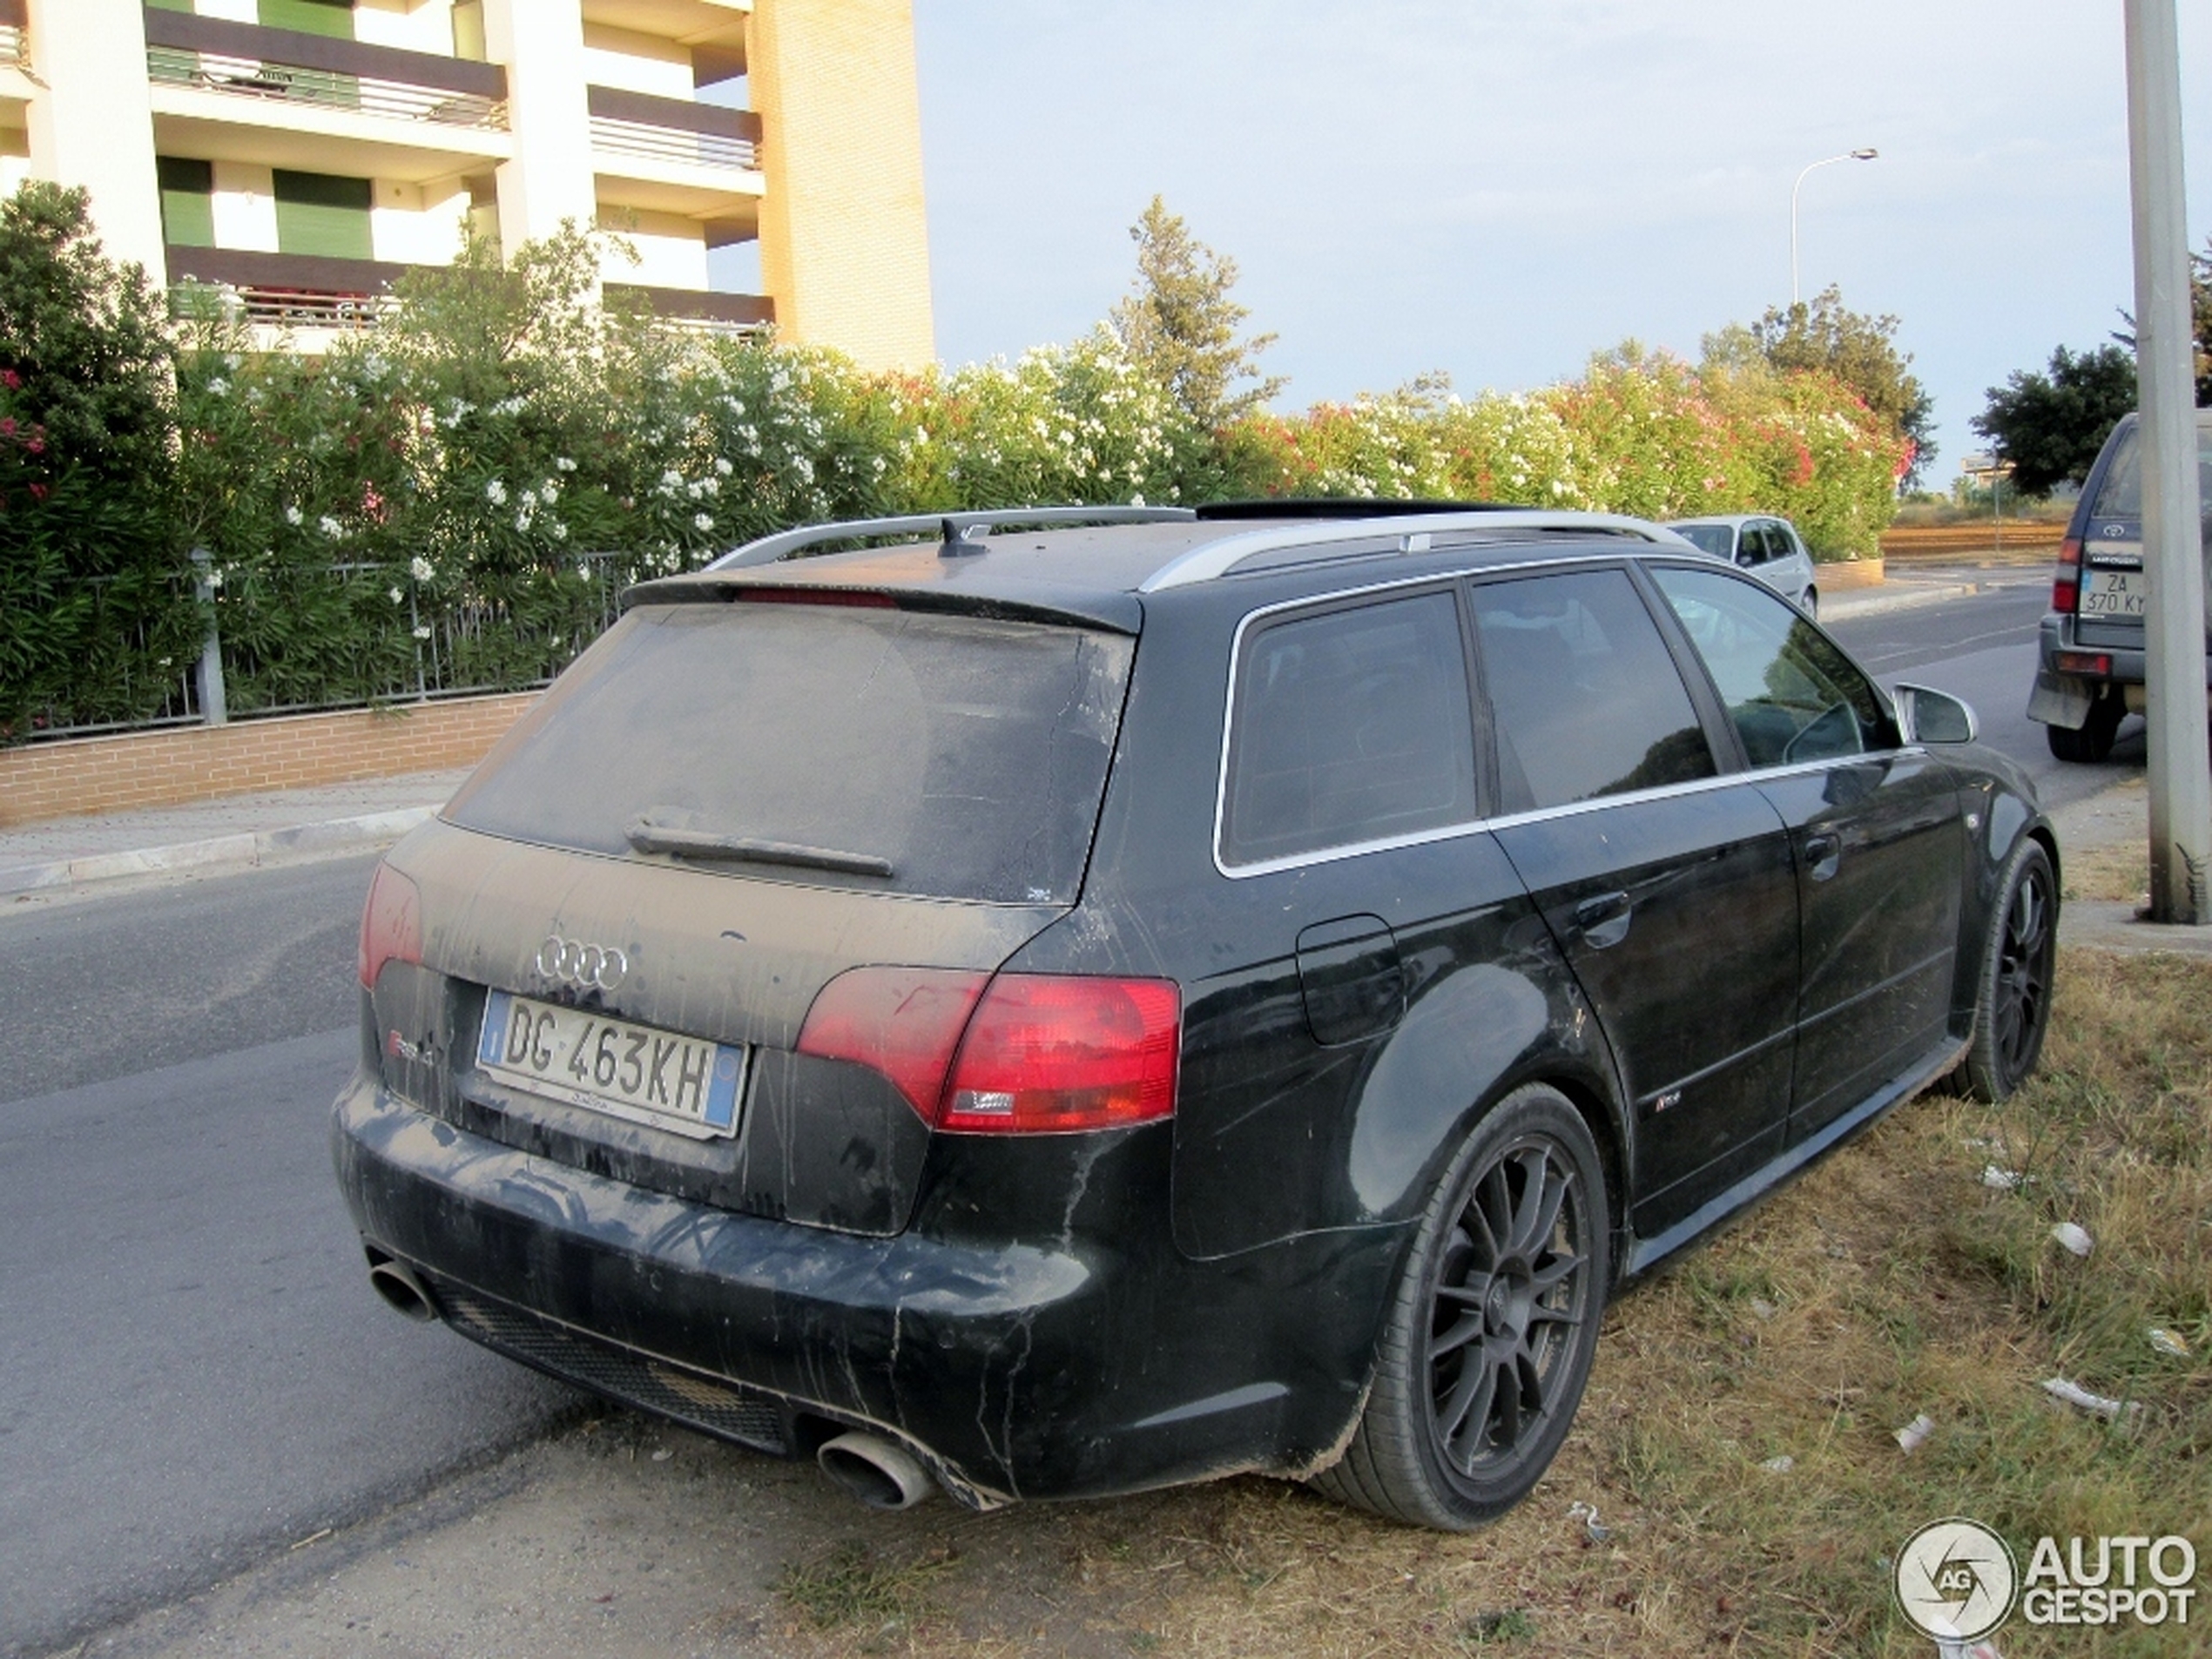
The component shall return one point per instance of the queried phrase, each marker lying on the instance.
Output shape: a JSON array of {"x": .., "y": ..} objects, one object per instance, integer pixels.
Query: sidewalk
[
  {"x": 1909, "y": 587},
  {"x": 235, "y": 832}
]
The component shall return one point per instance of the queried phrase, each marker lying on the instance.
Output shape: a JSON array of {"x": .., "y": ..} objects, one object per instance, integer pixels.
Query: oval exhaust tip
[
  {"x": 404, "y": 1292},
  {"x": 879, "y": 1474}
]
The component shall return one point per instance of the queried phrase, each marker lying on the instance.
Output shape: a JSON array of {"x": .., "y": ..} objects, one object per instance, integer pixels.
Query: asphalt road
[{"x": 196, "y": 1373}]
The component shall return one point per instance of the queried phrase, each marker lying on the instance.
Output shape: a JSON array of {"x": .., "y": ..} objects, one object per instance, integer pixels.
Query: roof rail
[
  {"x": 1415, "y": 532},
  {"x": 957, "y": 528}
]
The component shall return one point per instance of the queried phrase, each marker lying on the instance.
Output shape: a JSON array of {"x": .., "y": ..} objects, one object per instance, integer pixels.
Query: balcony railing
[
  {"x": 14, "y": 18},
  {"x": 693, "y": 310},
  {"x": 672, "y": 129},
  {"x": 247, "y": 60},
  {"x": 285, "y": 290}
]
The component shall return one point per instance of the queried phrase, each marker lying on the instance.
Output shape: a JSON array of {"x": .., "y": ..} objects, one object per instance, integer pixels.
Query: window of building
[
  {"x": 332, "y": 18},
  {"x": 187, "y": 201},
  {"x": 1351, "y": 726},
  {"x": 324, "y": 215},
  {"x": 1584, "y": 694}
]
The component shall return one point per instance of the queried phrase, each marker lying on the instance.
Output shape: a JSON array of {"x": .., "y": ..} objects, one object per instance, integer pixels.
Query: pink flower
[
  {"x": 7, "y": 426},
  {"x": 9, "y": 379}
]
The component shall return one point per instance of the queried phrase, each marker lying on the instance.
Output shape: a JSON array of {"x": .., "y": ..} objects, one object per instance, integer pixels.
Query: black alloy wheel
[
  {"x": 2014, "y": 1008},
  {"x": 1490, "y": 1335}
]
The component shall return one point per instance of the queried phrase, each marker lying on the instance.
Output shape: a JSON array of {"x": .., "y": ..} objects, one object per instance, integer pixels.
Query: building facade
[{"x": 302, "y": 153}]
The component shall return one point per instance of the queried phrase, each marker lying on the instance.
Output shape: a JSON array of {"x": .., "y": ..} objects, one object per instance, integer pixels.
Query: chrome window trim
[{"x": 1476, "y": 826}]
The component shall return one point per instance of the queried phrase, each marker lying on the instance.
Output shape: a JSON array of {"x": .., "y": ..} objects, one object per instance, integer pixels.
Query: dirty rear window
[
  {"x": 874, "y": 748},
  {"x": 2120, "y": 494}
]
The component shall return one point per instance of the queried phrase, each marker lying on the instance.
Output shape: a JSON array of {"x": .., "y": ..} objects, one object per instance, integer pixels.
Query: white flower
[
  {"x": 565, "y": 463},
  {"x": 509, "y": 405},
  {"x": 921, "y": 435},
  {"x": 671, "y": 479},
  {"x": 522, "y": 520},
  {"x": 217, "y": 386},
  {"x": 703, "y": 521},
  {"x": 722, "y": 466},
  {"x": 559, "y": 531},
  {"x": 529, "y": 499},
  {"x": 215, "y": 578},
  {"x": 1137, "y": 500},
  {"x": 293, "y": 516},
  {"x": 420, "y": 569},
  {"x": 421, "y": 632},
  {"x": 330, "y": 527},
  {"x": 397, "y": 596},
  {"x": 550, "y": 491},
  {"x": 496, "y": 493}
]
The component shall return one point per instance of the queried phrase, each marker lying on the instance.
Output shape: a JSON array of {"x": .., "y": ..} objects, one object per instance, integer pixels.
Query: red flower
[
  {"x": 7, "y": 426},
  {"x": 38, "y": 492},
  {"x": 9, "y": 379},
  {"x": 36, "y": 445}
]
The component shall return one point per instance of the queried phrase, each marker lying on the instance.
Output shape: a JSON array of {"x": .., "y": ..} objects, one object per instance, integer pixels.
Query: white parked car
[{"x": 1770, "y": 548}]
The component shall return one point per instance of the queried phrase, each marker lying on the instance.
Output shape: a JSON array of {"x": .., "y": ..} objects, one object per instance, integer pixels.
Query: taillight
[
  {"x": 1020, "y": 1054},
  {"x": 904, "y": 1023},
  {"x": 2096, "y": 663},
  {"x": 391, "y": 924},
  {"x": 1047, "y": 1052},
  {"x": 2066, "y": 587}
]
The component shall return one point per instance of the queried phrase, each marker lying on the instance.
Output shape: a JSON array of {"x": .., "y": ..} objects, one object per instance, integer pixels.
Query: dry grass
[
  {"x": 1887, "y": 1284},
  {"x": 2118, "y": 874}
]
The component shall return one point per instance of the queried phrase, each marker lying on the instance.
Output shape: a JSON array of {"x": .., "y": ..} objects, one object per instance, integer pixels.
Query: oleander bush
[{"x": 455, "y": 499}]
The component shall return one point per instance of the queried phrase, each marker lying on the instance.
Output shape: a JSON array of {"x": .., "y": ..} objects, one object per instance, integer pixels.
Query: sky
[{"x": 1500, "y": 188}]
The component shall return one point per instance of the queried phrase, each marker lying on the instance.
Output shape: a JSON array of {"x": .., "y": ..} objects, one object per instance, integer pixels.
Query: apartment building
[{"x": 302, "y": 153}]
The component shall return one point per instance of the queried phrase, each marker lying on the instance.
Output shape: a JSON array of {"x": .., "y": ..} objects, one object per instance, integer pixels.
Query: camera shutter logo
[
  {"x": 587, "y": 966},
  {"x": 1956, "y": 1580}
]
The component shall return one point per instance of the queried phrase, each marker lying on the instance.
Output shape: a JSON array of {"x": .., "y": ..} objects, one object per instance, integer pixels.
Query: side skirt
[{"x": 1643, "y": 1252}]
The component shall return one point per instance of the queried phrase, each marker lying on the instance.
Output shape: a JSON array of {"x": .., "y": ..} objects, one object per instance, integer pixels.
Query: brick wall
[{"x": 199, "y": 763}]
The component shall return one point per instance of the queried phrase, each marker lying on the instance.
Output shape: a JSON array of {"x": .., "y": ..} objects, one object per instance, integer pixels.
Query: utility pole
[{"x": 2174, "y": 628}]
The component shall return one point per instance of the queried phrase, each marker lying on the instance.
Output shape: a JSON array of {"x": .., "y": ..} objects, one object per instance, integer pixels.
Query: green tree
[
  {"x": 93, "y": 613},
  {"x": 2050, "y": 426},
  {"x": 1180, "y": 326},
  {"x": 1858, "y": 350},
  {"x": 2200, "y": 319}
]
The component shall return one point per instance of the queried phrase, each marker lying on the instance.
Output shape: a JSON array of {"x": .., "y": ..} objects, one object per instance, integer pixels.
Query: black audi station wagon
[{"x": 1069, "y": 1002}]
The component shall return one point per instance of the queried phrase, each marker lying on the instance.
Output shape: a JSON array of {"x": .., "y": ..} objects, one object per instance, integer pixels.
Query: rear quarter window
[
  {"x": 1349, "y": 726},
  {"x": 967, "y": 755},
  {"x": 2119, "y": 492}
]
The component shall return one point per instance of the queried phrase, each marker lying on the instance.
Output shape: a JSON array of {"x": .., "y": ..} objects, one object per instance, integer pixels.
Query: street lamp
[{"x": 1848, "y": 155}]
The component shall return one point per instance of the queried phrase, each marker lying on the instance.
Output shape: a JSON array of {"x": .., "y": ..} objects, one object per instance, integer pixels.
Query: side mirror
[
  {"x": 1746, "y": 558},
  {"x": 1925, "y": 715}
]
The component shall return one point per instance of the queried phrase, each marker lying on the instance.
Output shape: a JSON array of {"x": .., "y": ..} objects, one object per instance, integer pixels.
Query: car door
[
  {"x": 1790, "y": 572},
  {"x": 1669, "y": 887},
  {"x": 1875, "y": 827}
]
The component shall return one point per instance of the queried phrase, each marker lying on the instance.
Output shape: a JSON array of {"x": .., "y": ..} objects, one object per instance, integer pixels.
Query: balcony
[
  {"x": 14, "y": 19},
  {"x": 304, "y": 98},
  {"x": 692, "y": 310},
  {"x": 671, "y": 155},
  {"x": 288, "y": 291},
  {"x": 296, "y": 292}
]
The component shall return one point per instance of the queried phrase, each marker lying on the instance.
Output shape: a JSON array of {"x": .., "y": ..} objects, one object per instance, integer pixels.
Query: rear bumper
[
  {"x": 2064, "y": 699},
  {"x": 1014, "y": 1370}
]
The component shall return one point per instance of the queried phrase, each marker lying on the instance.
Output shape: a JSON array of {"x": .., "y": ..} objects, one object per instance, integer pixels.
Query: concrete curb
[
  {"x": 1850, "y": 606},
  {"x": 241, "y": 851},
  {"x": 2100, "y": 924}
]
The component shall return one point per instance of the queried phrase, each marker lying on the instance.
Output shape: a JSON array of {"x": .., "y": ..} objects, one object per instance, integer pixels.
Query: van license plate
[
  {"x": 2115, "y": 593},
  {"x": 631, "y": 1071}
]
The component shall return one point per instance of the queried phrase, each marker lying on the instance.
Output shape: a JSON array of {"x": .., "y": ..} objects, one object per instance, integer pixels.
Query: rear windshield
[
  {"x": 2120, "y": 494},
  {"x": 880, "y": 749},
  {"x": 1717, "y": 539}
]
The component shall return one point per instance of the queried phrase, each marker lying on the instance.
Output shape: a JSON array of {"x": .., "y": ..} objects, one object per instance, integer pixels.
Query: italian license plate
[
  {"x": 631, "y": 1071},
  {"x": 2114, "y": 593}
]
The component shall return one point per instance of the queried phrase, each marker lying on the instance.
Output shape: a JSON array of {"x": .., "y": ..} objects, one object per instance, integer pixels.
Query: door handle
[
  {"x": 1823, "y": 854},
  {"x": 1603, "y": 920}
]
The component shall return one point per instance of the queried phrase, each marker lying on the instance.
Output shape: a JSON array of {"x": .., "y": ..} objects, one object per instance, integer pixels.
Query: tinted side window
[
  {"x": 2121, "y": 494},
  {"x": 1753, "y": 548},
  {"x": 1793, "y": 695},
  {"x": 1585, "y": 698},
  {"x": 1350, "y": 726}
]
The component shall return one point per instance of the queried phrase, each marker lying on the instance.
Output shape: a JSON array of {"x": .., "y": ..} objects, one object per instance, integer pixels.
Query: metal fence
[
  {"x": 305, "y": 639},
  {"x": 364, "y": 95}
]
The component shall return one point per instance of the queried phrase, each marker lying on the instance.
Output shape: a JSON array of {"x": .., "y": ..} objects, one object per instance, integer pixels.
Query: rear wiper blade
[{"x": 649, "y": 837}]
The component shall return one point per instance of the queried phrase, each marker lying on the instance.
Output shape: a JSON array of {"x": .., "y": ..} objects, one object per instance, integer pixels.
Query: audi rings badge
[{"x": 587, "y": 966}]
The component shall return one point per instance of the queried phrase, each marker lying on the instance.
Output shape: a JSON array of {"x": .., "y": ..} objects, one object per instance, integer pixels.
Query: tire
[
  {"x": 2092, "y": 745},
  {"x": 1812, "y": 603},
  {"x": 2012, "y": 990},
  {"x": 1480, "y": 1330}
]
